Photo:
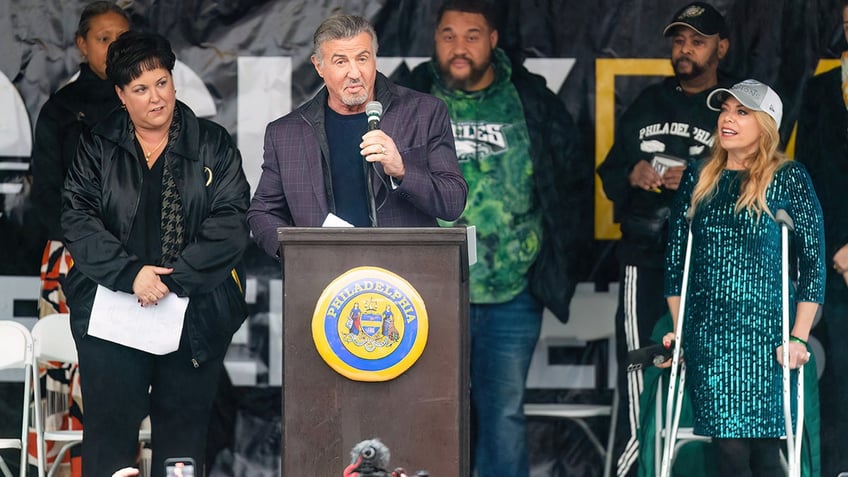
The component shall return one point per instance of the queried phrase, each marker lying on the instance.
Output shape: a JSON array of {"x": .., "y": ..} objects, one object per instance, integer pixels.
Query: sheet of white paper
[
  {"x": 471, "y": 230},
  {"x": 117, "y": 317},
  {"x": 334, "y": 220}
]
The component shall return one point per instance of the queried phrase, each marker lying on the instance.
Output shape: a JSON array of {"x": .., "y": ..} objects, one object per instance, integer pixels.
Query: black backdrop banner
[
  {"x": 247, "y": 62},
  {"x": 243, "y": 63}
]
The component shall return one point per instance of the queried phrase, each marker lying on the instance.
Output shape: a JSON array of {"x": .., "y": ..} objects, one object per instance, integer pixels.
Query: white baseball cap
[{"x": 753, "y": 95}]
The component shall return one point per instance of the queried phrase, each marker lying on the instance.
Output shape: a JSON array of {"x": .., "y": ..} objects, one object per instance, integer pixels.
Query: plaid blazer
[{"x": 294, "y": 188}]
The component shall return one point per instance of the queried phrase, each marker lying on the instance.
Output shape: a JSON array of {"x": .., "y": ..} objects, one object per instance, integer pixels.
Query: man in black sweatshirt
[{"x": 665, "y": 129}]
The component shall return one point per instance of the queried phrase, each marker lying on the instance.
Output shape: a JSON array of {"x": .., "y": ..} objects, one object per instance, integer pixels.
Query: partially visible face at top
[
  {"x": 150, "y": 99},
  {"x": 845, "y": 22},
  {"x": 694, "y": 55},
  {"x": 464, "y": 44},
  {"x": 103, "y": 30},
  {"x": 739, "y": 131},
  {"x": 349, "y": 69}
]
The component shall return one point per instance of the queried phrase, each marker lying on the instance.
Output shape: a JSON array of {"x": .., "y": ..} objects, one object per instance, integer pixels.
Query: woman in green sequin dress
[{"x": 733, "y": 315}]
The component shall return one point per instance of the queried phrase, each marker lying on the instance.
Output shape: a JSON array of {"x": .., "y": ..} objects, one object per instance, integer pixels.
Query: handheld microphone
[
  {"x": 374, "y": 457},
  {"x": 373, "y": 111}
]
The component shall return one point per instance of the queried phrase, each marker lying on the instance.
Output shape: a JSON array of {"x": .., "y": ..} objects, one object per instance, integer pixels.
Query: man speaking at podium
[{"x": 326, "y": 159}]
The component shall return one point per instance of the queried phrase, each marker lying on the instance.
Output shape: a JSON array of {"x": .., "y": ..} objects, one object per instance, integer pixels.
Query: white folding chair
[
  {"x": 592, "y": 318},
  {"x": 16, "y": 353},
  {"x": 53, "y": 341},
  {"x": 578, "y": 413}
]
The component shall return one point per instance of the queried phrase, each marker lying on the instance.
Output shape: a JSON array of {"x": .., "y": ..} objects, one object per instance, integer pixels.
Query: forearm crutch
[
  {"x": 674, "y": 401},
  {"x": 793, "y": 440}
]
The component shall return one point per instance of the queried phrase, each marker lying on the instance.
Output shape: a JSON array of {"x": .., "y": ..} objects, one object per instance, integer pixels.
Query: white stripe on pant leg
[
  {"x": 631, "y": 449},
  {"x": 630, "y": 300},
  {"x": 631, "y": 330},
  {"x": 634, "y": 378}
]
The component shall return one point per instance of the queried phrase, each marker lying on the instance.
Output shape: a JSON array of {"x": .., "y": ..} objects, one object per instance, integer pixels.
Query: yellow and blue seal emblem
[{"x": 370, "y": 324}]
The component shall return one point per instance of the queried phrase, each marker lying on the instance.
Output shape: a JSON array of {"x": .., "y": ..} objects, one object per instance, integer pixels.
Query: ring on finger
[{"x": 383, "y": 149}]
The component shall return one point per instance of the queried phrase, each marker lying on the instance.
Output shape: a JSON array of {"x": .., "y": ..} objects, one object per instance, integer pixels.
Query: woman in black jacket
[
  {"x": 154, "y": 208},
  {"x": 75, "y": 106}
]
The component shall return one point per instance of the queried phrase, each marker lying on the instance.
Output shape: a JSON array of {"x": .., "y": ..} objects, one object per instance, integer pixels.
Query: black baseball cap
[{"x": 701, "y": 17}]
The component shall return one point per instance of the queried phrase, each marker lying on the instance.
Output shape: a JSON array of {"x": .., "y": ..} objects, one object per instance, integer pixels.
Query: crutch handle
[{"x": 782, "y": 217}]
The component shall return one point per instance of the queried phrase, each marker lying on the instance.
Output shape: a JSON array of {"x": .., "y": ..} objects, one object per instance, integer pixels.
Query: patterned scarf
[{"x": 171, "y": 228}]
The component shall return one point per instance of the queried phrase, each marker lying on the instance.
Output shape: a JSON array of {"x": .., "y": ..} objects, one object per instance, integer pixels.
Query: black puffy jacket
[
  {"x": 822, "y": 145},
  {"x": 99, "y": 205}
]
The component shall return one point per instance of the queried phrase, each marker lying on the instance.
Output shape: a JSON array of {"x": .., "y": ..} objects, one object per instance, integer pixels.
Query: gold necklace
[{"x": 147, "y": 154}]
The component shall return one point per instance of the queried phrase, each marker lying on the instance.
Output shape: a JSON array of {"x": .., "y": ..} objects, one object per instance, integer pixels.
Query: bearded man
[
  {"x": 529, "y": 194},
  {"x": 664, "y": 130}
]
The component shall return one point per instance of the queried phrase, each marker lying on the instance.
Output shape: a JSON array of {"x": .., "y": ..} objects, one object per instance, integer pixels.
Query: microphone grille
[
  {"x": 371, "y": 449},
  {"x": 374, "y": 108}
]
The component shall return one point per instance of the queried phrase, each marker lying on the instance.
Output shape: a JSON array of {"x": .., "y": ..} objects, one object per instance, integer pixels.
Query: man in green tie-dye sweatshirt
[{"x": 530, "y": 200}]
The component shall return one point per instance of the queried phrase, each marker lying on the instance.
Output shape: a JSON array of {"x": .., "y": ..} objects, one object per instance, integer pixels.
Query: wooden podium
[{"x": 422, "y": 415}]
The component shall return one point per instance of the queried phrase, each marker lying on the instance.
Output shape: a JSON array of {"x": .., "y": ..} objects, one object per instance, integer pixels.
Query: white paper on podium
[
  {"x": 156, "y": 329},
  {"x": 333, "y": 220},
  {"x": 471, "y": 232}
]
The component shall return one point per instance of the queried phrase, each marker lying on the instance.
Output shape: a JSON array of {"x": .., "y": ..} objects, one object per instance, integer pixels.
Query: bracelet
[{"x": 797, "y": 340}]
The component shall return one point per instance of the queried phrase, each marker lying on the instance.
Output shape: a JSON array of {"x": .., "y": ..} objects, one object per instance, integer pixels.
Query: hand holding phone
[{"x": 652, "y": 355}]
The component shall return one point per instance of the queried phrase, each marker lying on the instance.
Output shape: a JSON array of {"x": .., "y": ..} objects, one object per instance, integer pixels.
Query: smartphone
[
  {"x": 179, "y": 467},
  {"x": 652, "y": 355}
]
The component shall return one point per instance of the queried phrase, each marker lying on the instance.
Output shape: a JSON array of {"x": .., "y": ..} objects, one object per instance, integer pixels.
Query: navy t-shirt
[{"x": 344, "y": 134}]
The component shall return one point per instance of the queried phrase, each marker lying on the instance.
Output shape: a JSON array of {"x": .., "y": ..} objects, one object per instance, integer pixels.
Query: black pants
[
  {"x": 748, "y": 457},
  {"x": 833, "y": 386},
  {"x": 115, "y": 381},
  {"x": 641, "y": 303}
]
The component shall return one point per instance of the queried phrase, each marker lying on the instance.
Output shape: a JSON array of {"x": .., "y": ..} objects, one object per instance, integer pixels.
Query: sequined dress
[{"x": 732, "y": 323}]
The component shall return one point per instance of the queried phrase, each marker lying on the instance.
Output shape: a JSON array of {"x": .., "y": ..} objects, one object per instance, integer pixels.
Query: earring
[{"x": 123, "y": 106}]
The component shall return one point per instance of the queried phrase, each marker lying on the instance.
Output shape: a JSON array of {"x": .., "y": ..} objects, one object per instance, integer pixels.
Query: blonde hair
[{"x": 763, "y": 165}]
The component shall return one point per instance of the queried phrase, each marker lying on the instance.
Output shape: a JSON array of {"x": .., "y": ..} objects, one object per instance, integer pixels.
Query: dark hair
[
  {"x": 341, "y": 26},
  {"x": 480, "y": 7},
  {"x": 95, "y": 9},
  {"x": 135, "y": 52}
]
